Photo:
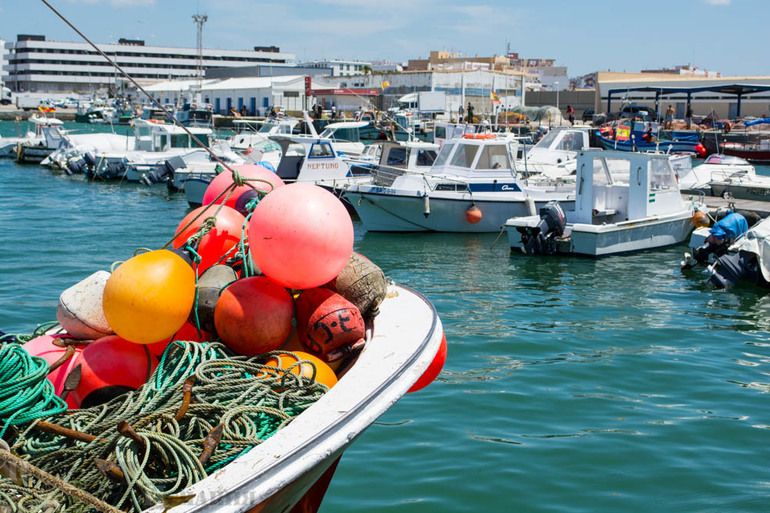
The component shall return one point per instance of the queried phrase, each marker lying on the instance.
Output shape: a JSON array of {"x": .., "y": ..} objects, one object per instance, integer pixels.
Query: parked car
[
  {"x": 588, "y": 115},
  {"x": 639, "y": 111}
]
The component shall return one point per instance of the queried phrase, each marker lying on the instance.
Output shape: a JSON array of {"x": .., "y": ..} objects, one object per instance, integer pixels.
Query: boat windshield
[
  {"x": 464, "y": 155},
  {"x": 426, "y": 157},
  {"x": 443, "y": 155},
  {"x": 547, "y": 139},
  {"x": 494, "y": 156},
  {"x": 661, "y": 175},
  {"x": 718, "y": 158}
]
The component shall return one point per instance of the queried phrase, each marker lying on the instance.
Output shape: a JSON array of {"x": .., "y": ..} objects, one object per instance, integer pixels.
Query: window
[
  {"x": 426, "y": 157},
  {"x": 320, "y": 150},
  {"x": 661, "y": 175},
  {"x": 443, "y": 154},
  {"x": 494, "y": 157},
  {"x": 464, "y": 155},
  {"x": 397, "y": 157}
]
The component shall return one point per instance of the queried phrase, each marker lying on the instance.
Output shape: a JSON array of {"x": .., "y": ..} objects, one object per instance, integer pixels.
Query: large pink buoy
[
  {"x": 300, "y": 235},
  {"x": 225, "y": 179}
]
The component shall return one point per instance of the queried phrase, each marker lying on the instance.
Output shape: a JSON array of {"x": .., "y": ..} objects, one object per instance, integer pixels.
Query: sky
[{"x": 728, "y": 36}]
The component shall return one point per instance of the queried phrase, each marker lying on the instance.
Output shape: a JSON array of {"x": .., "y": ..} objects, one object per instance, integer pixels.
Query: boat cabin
[
  {"x": 558, "y": 145},
  {"x": 616, "y": 186},
  {"x": 157, "y": 137},
  {"x": 344, "y": 131},
  {"x": 306, "y": 159},
  {"x": 477, "y": 154}
]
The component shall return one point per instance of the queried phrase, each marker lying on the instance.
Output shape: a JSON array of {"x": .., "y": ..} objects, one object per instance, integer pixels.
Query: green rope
[{"x": 25, "y": 394}]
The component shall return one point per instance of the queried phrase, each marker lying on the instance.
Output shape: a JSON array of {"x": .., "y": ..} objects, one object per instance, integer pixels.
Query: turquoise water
[{"x": 571, "y": 385}]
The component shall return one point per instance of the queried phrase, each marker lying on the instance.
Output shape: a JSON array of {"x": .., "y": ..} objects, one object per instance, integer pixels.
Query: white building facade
[
  {"x": 341, "y": 68},
  {"x": 36, "y": 65}
]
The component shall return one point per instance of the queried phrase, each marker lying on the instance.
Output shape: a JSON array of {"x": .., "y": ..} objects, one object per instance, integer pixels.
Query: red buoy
[
  {"x": 259, "y": 177},
  {"x": 253, "y": 315},
  {"x": 327, "y": 321},
  {"x": 433, "y": 369},
  {"x": 51, "y": 348},
  {"x": 112, "y": 366},
  {"x": 473, "y": 214},
  {"x": 220, "y": 241}
]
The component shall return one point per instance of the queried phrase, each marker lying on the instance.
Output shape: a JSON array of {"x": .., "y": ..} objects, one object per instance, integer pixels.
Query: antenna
[{"x": 200, "y": 19}]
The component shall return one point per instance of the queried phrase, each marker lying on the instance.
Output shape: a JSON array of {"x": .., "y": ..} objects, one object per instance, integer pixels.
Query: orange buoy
[
  {"x": 148, "y": 297},
  {"x": 700, "y": 219},
  {"x": 327, "y": 321},
  {"x": 52, "y": 348},
  {"x": 473, "y": 214},
  {"x": 220, "y": 241},
  {"x": 433, "y": 369},
  {"x": 112, "y": 366},
  {"x": 254, "y": 315},
  {"x": 305, "y": 365},
  {"x": 260, "y": 177},
  {"x": 300, "y": 236}
]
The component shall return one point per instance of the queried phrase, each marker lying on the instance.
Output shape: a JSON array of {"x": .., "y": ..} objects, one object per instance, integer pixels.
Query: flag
[
  {"x": 493, "y": 96},
  {"x": 384, "y": 84},
  {"x": 46, "y": 109}
]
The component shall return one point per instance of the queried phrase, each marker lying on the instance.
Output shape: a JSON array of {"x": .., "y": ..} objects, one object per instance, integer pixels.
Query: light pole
[{"x": 556, "y": 86}]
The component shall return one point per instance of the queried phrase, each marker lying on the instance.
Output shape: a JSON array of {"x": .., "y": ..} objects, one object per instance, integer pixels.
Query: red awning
[{"x": 345, "y": 92}]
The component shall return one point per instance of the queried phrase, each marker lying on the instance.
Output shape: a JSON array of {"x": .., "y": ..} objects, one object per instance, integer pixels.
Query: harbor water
[{"x": 571, "y": 385}]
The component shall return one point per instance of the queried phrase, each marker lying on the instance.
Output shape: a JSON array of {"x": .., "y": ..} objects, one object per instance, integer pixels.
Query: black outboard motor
[
  {"x": 730, "y": 268},
  {"x": 76, "y": 166},
  {"x": 164, "y": 172},
  {"x": 541, "y": 240}
]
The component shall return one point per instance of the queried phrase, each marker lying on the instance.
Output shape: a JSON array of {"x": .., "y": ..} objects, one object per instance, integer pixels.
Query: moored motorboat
[
  {"x": 473, "y": 186},
  {"x": 626, "y": 202}
]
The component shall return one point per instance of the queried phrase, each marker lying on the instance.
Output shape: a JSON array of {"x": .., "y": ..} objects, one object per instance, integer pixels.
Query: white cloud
[{"x": 718, "y": 2}]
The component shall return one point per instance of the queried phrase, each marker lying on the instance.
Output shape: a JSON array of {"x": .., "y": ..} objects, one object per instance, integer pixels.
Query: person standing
[
  {"x": 688, "y": 116},
  {"x": 669, "y": 119},
  {"x": 470, "y": 113},
  {"x": 571, "y": 115},
  {"x": 460, "y": 113}
]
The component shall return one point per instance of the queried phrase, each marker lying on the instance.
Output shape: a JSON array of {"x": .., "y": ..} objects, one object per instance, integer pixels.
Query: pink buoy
[
  {"x": 46, "y": 347},
  {"x": 225, "y": 179},
  {"x": 300, "y": 235}
]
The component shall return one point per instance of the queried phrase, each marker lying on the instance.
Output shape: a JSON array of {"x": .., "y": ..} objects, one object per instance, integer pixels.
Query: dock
[{"x": 714, "y": 203}]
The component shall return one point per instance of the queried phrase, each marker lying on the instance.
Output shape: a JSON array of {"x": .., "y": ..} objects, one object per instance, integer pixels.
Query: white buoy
[
  {"x": 80, "y": 310},
  {"x": 426, "y": 201},
  {"x": 530, "y": 203}
]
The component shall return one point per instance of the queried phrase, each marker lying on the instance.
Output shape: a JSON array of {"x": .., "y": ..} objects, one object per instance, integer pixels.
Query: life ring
[
  {"x": 478, "y": 136},
  {"x": 193, "y": 107}
]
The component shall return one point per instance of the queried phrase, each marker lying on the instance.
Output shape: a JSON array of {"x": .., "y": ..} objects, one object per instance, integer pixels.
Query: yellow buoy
[
  {"x": 148, "y": 297},
  {"x": 700, "y": 219}
]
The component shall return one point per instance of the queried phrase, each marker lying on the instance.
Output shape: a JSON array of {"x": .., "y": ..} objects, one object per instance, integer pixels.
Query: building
[
  {"x": 255, "y": 94},
  {"x": 3, "y": 61},
  {"x": 727, "y": 97},
  {"x": 37, "y": 65},
  {"x": 341, "y": 68}
]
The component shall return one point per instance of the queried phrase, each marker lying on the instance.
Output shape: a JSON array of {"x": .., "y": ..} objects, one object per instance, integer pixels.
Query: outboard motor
[
  {"x": 730, "y": 268},
  {"x": 164, "y": 172},
  {"x": 541, "y": 240},
  {"x": 75, "y": 165}
]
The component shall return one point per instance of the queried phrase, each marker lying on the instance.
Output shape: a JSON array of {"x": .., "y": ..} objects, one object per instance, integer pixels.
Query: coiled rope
[{"x": 235, "y": 403}]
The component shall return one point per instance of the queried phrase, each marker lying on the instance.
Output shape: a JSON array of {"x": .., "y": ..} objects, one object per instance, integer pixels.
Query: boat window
[
  {"x": 321, "y": 150},
  {"x": 443, "y": 155},
  {"x": 572, "y": 141},
  {"x": 547, "y": 139},
  {"x": 661, "y": 175},
  {"x": 397, "y": 157},
  {"x": 601, "y": 174},
  {"x": 266, "y": 128},
  {"x": 614, "y": 171},
  {"x": 295, "y": 150},
  {"x": 179, "y": 140},
  {"x": 464, "y": 155},
  {"x": 439, "y": 132},
  {"x": 266, "y": 146},
  {"x": 203, "y": 138},
  {"x": 494, "y": 156},
  {"x": 160, "y": 142},
  {"x": 426, "y": 157}
]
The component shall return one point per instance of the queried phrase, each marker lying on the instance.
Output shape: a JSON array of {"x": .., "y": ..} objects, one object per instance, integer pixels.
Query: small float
[{"x": 227, "y": 373}]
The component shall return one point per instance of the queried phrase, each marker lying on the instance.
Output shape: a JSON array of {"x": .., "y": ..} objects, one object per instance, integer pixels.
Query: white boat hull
[
  {"x": 401, "y": 213},
  {"x": 275, "y": 475}
]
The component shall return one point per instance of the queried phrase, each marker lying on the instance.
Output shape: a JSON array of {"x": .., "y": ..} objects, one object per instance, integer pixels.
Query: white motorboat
[
  {"x": 473, "y": 186},
  {"x": 625, "y": 202},
  {"x": 47, "y": 137},
  {"x": 254, "y": 134},
  {"x": 554, "y": 156},
  {"x": 728, "y": 177}
]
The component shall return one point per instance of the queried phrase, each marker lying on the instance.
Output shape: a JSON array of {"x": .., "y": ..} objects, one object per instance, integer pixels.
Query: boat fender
[
  {"x": 112, "y": 366},
  {"x": 362, "y": 283},
  {"x": 327, "y": 321},
  {"x": 426, "y": 205},
  {"x": 529, "y": 201},
  {"x": 473, "y": 214},
  {"x": 210, "y": 286},
  {"x": 52, "y": 349},
  {"x": 80, "y": 310}
]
